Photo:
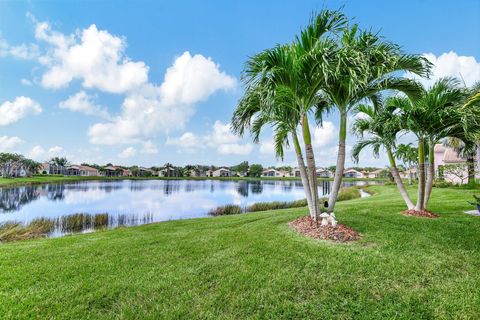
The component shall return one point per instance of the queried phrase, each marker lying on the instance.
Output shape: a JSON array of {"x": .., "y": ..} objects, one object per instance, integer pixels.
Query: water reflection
[{"x": 89, "y": 205}]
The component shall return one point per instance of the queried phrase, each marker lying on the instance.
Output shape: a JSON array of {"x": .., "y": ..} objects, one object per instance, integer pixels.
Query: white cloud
[
  {"x": 450, "y": 64},
  {"x": 267, "y": 147},
  {"x": 187, "y": 140},
  {"x": 82, "y": 102},
  {"x": 192, "y": 79},
  {"x": 21, "y": 107},
  {"x": 149, "y": 148},
  {"x": 56, "y": 151},
  {"x": 235, "y": 149},
  {"x": 26, "y": 82},
  {"x": 221, "y": 139},
  {"x": 168, "y": 107},
  {"x": 23, "y": 51},
  {"x": 127, "y": 153},
  {"x": 93, "y": 56},
  {"x": 8, "y": 143},
  {"x": 325, "y": 135},
  {"x": 37, "y": 153}
]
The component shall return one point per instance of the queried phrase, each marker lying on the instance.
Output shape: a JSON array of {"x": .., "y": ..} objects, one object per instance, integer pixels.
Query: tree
[
  {"x": 59, "y": 161},
  {"x": 241, "y": 167},
  {"x": 457, "y": 170},
  {"x": 466, "y": 148},
  {"x": 282, "y": 91},
  {"x": 382, "y": 125},
  {"x": 256, "y": 170},
  {"x": 409, "y": 156},
  {"x": 10, "y": 163},
  {"x": 436, "y": 114},
  {"x": 365, "y": 65}
]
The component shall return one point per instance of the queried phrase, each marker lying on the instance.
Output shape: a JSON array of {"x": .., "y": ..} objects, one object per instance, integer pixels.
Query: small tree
[
  {"x": 457, "y": 170},
  {"x": 256, "y": 170}
]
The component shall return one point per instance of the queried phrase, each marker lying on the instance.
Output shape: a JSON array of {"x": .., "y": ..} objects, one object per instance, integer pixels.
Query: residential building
[
  {"x": 48, "y": 168},
  {"x": 323, "y": 173},
  {"x": 222, "y": 172},
  {"x": 374, "y": 174},
  {"x": 352, "y": 173}
]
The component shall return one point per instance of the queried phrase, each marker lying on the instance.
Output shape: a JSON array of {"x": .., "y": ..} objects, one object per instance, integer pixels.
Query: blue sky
[{"x": 150, "y": 82}]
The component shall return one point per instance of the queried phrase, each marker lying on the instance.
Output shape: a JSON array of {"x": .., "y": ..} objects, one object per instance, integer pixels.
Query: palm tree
[
  {"x": 381, "y": 125},
  {"x": 282, "y": 90},
  {"x": 436, "y": 115},
  {"x": 365, "y": 65},
  {"x": 409, "y": 156}
]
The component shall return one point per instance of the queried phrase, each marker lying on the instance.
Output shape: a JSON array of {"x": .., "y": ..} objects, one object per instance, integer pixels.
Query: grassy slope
[
  {"x": 253, "y": 266},
  {"x": 12, "y": 182}
]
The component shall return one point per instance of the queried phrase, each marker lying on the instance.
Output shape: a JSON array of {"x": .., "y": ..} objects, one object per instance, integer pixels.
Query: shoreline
[{"x": 46, "y": 179}]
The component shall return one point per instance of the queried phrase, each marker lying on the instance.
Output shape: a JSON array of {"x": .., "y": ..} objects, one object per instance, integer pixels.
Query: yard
[{"x": 253, "y": 266}]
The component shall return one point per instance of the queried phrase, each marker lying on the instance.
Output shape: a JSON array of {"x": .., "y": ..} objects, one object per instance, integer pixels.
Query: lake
[{"x": 86, "y": 206}]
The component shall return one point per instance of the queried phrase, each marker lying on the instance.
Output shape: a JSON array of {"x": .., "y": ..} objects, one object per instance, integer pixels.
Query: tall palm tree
[
  {"x": 378, "y": 129},
  {"x": 434, "y": 116},
  {"x": 409, "y": 156},
  {"x": 282, "y": 90},
  {"x": 365, "y": 65}
]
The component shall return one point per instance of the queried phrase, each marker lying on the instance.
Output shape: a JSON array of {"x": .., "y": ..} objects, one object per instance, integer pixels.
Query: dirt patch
[
  {"x": 421, "y": 213},
  {"x": 308, "y": 227}
]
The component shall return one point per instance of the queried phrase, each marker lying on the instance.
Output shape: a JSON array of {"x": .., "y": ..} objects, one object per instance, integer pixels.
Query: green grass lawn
[{"x": 253, "y": 266}]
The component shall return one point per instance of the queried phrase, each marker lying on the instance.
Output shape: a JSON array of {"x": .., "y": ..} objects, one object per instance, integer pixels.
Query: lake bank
[
  {"x": 253, "y": 266},
  {"x": 43, "y": 179},
  {"x": 66, "y": 207}
]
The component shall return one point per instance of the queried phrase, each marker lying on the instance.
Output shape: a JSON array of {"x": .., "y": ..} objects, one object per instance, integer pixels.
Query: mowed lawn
[{"x": 254, "y": 266}]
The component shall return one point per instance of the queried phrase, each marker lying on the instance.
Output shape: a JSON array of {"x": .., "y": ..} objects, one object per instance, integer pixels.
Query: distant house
[
  {"x": 295, "y": 173},
  {"x": 445, "y": 156},
  {"x": 83, "y": 171},
  {"x": 352, "y": 173},
  {"x": 272, "y": 172},
  {"x": 374, "y": 174},
  {"x": 197, "y": 173},
  {"x": 222, "y": 172},
  {"x": 114, "y": 171},
  {"x": 168, "y": 172},
  {"x": 48, "y": 168},
  {"x": 410, "y": 174},
  {"x": 18, "y": 171},
  {"x": 323, "y": 173}
]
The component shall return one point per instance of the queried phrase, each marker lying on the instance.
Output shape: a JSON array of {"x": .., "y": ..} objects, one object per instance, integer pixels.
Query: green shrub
[
  {"x": 348, "y": 194},
  {"x": 226, "y": 210}
]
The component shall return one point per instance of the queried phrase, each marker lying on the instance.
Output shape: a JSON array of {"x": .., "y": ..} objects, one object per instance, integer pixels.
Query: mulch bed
[
  {"x": 421, "y": 213},
  {"x": 308, "y": 227}
]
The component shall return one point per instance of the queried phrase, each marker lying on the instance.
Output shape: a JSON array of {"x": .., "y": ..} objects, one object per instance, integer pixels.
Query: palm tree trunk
[
  {"x": 478, "y": 157},
  {"x": 431, "y": 173},
  {"x": 312, "y": 170},
  {"x": 303, "y": 174},
  {"x": 337, "y": 180},
  {"x": 398, "y": 181},
  {"x": 471, "y": 168},
  {"x": 421, "y": 175}
]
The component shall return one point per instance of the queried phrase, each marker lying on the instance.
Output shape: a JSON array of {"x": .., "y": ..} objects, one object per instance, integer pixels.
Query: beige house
[
  {"x": 352, "y": 173},
  {"x": 222, "y": 172},
  {"x": 272, "y": 172},
  {"x": 374, "y": 174}
]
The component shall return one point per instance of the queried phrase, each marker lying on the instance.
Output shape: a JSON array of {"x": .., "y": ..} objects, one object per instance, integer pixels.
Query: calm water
[{"x": 128, "y": 202}]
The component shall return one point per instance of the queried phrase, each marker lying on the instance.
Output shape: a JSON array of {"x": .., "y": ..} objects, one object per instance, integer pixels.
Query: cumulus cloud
[
  {"x": 127, "y": 153},
  {"x": 324, "y": 135},
  {"x": 8, "y": 143},
  {"x": 221, "y": 139},
  {"x": 267, "y": 147},
  {"x": 450, "y": 64},
  {"x": 39, "y": 153},
  {"x": 95, "y": 57},
  {"x": 83, "y": 103},
  {"x": 235, "y": 149},
  {"x": 23, "y": 51},
  {"x": 149, "y": 148},
  {"x": 168, "y": 107},
  {"x": 21, "y": 107}
]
